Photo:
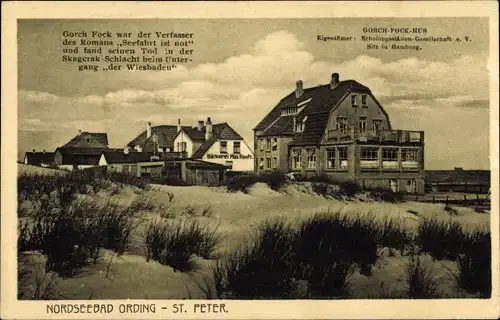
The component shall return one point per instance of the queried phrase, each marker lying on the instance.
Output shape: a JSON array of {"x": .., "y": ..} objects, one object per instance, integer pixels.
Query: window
[
  {"x": 342, "y": 125},
  {"x": 343, "y": 158},
  {"x": 362, "y": 125},
  {"x": 275, "y": 163},
  {"x": 311, "y": 158},
  {"x": 330, "y": 159},
  {"x": 369, "y": 158},
  {"x": 390, "y": 158},
  {"x": 389, "y": 154},
  {"x": 229, "y": 164},
  {"x": 181, "y": 146},
  {"x": 268, "y": 163},
  {"x": 89, "y": 140},
  {"x": 261, "y": 144},
  {"x": 377, "y": 126},
  {"x": 296, "y": 159},
  {"x": 411, "y": 186},
  {"x": 275, "y": 144},
  {"x": 363, "y": 101},
  {"x": 393, "y": 185},
  {"x": 261, "y": 163},
  {"x": 236, "y": 147},
  {"x": 268, "y": 144},
  {"x": 409, "y": 158},
  {"x": 223, "y": 147},
  {"x": 353, "y": 100}
]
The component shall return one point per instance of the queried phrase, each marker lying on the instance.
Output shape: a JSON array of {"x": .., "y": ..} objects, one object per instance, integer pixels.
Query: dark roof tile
[
  {"x": 322, "y": 100},
  {"x": 89, "y": 140}
]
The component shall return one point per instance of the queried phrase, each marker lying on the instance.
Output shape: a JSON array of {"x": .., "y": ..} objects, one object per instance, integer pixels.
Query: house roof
[
  {"x": 37, "y": 158},
  {"x": 165, "y": 136},
  {"x": 89, "y": 139},
  {"x": 318, "y": 102},
  {"x": 195, "y": 134},
  {"x": 458, "y": 176},
  {"x": 121, "y": 157},
  {"x": 200, "y": 152}
]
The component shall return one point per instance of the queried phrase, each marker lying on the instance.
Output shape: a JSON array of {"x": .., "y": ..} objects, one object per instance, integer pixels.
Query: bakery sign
[{"x": 228, "y": 156}]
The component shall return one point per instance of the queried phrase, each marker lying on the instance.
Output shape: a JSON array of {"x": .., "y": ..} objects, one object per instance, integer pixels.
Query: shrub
[
  {"x": 206, "y": 211},
  {"x": 346, "y": 187},
  {"x": 261, "y": 270},
  {"x": 441, "y": 239},
  {"x": 173, "y": 243},
  {"x": 421, "y": 283},
  {"x": 241, "y": 183},
  {"x": 329, "y": 238},
  {"x": 119, "y": 177},
  {"x": 385, "y": 194},
  {"x": 474, "y": 264},
  {"x": 143, "y": 204},
  {"x": 71, "y": 237},
  {"x": 286, "y": 263},
  {"x": 275, "y": 180},
  {"x": 118, "y": 224},
  {"x": 392, "y": 234}
]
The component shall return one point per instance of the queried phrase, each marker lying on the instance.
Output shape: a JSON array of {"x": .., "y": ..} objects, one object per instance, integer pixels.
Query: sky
[{"x": 242, "y": 68}]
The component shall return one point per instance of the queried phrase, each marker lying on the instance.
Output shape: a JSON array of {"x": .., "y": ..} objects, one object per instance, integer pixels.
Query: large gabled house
[{"x": 340, "y": 130}]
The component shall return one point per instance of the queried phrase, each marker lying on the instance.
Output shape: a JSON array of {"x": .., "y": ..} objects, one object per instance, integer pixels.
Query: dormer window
[
  {"x": 295, "y": 109},
  {"x": 300, "y": 124}
]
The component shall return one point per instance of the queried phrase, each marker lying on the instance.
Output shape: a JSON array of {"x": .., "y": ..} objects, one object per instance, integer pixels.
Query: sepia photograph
[{"x": 327, "y": 159}]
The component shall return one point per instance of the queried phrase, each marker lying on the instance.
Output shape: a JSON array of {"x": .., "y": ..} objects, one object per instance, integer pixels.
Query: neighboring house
[
  {"x": 458, "y": 180},
  {"x": 41, "y": 159},
  {"x": 124, "y": 161},
  {"x": 216, "y": 143},
  {"x": 77, "y": 158},
  {"x": 88, "y": 140},
  {"x": 116, "y": 160},
  {"x": 339, "y": 130}
]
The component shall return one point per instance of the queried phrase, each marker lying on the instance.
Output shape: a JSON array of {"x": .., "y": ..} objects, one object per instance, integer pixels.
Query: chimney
[
  {"x": 208, "y": 133},
  {"x": 34, "y": 150},
  {"x": 178, "y": 125},
  {"x": 299, "y": 89},
  {"x": 335, "y": 81},
  {"x": 126, "y": 150},
  {"x": 79, "y": 131},
  {"x": 200, "y": 125},
  {"x": 148, "y": 130},
  {"x": 43, "y": 151}
]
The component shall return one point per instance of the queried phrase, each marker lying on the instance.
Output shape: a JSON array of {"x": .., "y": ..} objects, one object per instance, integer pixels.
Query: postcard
[{"x": 250, "y": 160}]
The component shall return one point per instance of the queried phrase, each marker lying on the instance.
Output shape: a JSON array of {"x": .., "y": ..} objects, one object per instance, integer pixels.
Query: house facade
[
  {"x": 41, "y": 159},
  {"x": 339, "y": 130}
]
